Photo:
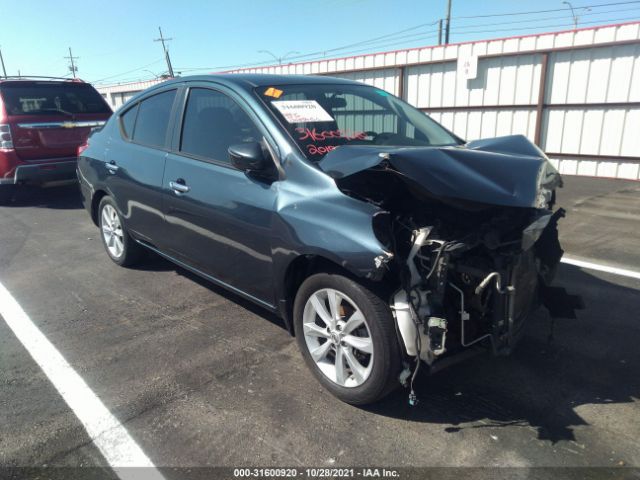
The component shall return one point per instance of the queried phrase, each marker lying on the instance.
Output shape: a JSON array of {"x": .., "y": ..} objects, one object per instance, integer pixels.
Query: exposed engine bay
[{"x": 472, "y": 239}]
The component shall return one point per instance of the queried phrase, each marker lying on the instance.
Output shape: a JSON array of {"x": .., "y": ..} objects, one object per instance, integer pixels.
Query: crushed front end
[
  {"x": 472, "y": 238},
  {"x": 464, "y": 286}
]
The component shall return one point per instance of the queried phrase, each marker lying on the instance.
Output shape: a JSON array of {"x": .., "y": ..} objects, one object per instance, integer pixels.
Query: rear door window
[
  {"x": 128, "y": 120},
  {"x": 212, "y": 123},
  {"x": 52, "y": 98},
  {"x": 153, "y": 119}
]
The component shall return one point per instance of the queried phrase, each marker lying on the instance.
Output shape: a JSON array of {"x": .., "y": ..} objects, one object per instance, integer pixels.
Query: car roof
[
  {"x": 41, "y": 80},
  {"x": 249, "y": 81}
]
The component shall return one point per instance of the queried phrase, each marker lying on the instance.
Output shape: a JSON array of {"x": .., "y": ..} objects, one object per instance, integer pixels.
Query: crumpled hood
[{"x": 508, "y": 171}]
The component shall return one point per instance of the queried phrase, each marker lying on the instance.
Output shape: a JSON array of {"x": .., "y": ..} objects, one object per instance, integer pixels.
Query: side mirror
[{"x": 250, "y": 158}]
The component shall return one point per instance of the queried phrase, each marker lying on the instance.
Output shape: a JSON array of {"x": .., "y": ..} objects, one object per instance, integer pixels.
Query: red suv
[{"x": 43, "y": 121}]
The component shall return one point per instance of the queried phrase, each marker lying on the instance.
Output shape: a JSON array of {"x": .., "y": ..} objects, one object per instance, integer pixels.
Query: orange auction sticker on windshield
[
  {"x": 273, "y": 92},
  {"x": 302, "y": 111}
]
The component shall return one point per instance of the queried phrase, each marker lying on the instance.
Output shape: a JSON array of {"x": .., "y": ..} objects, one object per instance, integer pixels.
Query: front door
[{"x": 219, "y": 218}]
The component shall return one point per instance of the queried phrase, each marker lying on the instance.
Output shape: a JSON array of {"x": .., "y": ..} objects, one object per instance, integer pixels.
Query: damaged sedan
[{"x": 383, "y": 240}]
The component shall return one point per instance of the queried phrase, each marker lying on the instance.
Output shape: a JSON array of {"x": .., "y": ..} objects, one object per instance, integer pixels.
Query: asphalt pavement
[{"x": 200, "y": 377}]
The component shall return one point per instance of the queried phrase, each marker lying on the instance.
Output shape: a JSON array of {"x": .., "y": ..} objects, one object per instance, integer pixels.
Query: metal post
[
  {"x": 440, "y": 32},
  {"x": 448, "y": 24},
  {"x": 402, "y": 74},
  {"x": 542, "y": 91}
]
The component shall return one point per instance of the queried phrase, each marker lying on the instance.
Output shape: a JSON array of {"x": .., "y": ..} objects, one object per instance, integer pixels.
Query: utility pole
[
  {"x": 4, "y": 70},
  {"x": 72, "y": 67},
  {"x": 448, "y": 23},
  {"x": 440, "y": 32},
  {"x": 166, "y": 52}
]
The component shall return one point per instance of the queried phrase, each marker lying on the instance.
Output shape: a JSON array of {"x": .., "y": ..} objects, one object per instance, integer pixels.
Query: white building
[{"x": 116, "y": 95}]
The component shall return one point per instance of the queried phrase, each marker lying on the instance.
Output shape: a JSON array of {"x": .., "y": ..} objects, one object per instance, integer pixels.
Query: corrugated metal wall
[{"x": 576, "y": 93}]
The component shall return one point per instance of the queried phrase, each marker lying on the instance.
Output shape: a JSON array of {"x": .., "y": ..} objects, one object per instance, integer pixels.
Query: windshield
[
  {"x": 321, "y": 118},
  {"x": 52, "y": 98}
]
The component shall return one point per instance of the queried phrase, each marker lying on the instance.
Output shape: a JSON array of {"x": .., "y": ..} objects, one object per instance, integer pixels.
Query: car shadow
[
  {"x": 589, "y": 360},
  {"x": 155, "y": 263},
  {"x": 64, "y": 197}
]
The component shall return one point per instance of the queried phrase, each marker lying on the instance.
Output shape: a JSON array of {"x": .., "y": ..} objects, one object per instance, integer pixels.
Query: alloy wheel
[
  {"x": 112, "y": 231},
  {"x": 338, "y": 337}
]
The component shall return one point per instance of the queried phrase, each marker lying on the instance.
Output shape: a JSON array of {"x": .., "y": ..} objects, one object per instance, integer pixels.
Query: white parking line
[
  {"x": 112, "y": 439},
  {"x": 601, "y": 268}
]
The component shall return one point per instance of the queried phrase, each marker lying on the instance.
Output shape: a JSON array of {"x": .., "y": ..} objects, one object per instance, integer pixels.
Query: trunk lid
[{"x": 40, "y": 139}]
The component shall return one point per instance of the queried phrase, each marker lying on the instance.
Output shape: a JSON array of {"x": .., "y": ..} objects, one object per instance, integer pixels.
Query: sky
[{"x": 113, "y": 40}]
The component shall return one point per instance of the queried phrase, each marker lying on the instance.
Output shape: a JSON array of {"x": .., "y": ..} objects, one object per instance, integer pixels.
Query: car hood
[{"x": 507, "y": 171}]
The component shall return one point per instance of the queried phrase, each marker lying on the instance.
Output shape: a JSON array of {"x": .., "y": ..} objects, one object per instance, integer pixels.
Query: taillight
[
  {"x": 6, "y": 142},
  {"x": 82, "y": 148}
]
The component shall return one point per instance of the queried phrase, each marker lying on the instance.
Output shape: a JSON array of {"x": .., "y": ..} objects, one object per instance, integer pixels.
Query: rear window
[
  {"x": 128, "y": 120},
  {"x": 52, "y": 98},
  {"x": 153, "y": 119}
]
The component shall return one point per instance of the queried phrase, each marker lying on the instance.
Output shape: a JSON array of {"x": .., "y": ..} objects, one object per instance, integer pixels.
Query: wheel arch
[
  {"x": 305, "y": 265},
  {"x": 98, "y": 195}
]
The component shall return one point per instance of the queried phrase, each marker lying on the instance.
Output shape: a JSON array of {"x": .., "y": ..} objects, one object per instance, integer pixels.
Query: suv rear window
[{"x": 53, "y": 98}]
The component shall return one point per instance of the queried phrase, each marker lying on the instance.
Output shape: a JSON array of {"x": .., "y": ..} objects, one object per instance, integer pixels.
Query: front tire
[
  {"x": 120, "y": 247},
  {"x": 347, "y": 337}
]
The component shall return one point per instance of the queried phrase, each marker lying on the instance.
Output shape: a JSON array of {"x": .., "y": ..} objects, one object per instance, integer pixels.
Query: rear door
[
  {"x": 49, "y": 120},
  {"x": 218, "y": 218},
  {"x": 134, "y": 164}
]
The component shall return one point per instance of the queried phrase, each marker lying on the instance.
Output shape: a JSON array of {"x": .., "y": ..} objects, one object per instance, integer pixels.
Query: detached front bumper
[{"x": 40, "y": 173}]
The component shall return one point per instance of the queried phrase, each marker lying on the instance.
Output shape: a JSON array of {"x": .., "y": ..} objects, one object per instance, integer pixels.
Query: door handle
[
  {"x": 179, "y": 187},
  {"x": 111, "y": 166}
]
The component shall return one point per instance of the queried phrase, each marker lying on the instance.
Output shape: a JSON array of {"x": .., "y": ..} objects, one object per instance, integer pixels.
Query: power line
[
  {"x": 582, "y": 7},
  {"x": 549, "y": 26},
  {"x": 322, "y": 54},
  {"x": 544, "y": 19},
  {"x": 545, "y": 11},
  {"x": 258, "y": 64},
  {"x": 128, "y": 71},
  {"x": 121, "y": 81},
  {"x": 416, "y": 37},
  {"x": 371, "y": 40},
  {"x": 397, "y": 37}
]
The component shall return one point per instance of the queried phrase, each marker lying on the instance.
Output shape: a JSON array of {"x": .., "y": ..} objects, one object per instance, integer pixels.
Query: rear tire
[
  {"x": 347, "y": 337},
  {"x": 120, "y": 247}
]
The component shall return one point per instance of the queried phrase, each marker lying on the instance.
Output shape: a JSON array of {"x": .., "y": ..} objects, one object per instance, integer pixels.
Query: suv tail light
[
  {"x": 82, "y": 148},
  {"x": 6, "y": 142}
]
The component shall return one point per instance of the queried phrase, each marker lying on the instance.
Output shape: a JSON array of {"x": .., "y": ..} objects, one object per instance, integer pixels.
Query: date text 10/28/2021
[{"x": 315, "y": 473}]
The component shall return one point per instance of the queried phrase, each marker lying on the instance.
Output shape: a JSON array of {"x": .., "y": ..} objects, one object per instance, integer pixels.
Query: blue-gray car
[{"x": 384, "y": 241}]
